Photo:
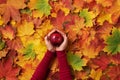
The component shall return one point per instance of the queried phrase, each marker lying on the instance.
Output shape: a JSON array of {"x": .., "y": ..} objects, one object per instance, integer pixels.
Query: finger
[
  {"x": 60, "y": 32},
  {"x": 51, "y": 32}
]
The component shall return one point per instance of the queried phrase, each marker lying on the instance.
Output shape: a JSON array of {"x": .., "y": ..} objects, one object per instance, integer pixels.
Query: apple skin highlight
[{"x": 56, "y": 38}]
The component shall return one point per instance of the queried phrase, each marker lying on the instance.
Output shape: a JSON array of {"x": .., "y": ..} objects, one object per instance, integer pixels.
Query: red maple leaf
[
  {"x": 116, "y": 59},
  {"x": 114, "y": 72},
  {"x": 102, "y": 61},
  {"x": 3, "y": 1},
  {"x": 8, "y": 70},
  {"x": 14, "y": 44},
  {"x": 8, "y": 32},
  {"x": 67, "y": 3},
  {"x": 10, "y": 10},
  {"x": 62, "y": 21}
]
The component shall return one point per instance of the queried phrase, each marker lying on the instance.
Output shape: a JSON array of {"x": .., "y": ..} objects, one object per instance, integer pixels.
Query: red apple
[{"x": 56, "y": 38}]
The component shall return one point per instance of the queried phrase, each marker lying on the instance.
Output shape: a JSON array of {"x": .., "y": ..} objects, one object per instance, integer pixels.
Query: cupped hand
[
  {"x": 50, "y": 47},
  {"x": 64, "y": 43}
]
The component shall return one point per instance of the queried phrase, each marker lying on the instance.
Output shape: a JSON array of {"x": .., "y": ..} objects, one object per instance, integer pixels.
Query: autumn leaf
[
  {"x": 116, "y": 59},
  {"x": 113, "y": 42},
  {"x": 102, "y": 61},
  {"x": 105, "y": 3},
  {"x": 29, "y": 53},
  {"x": 78, "y": 4},
  {"x": 61, "y": 21},
  {"x": 14, "y": 44},
  {"x": 3, "y": 1},
  {"x": 3, "y": 53},
  {"x": 8, "y": 71},
  {"x": 96, "y": 74},
  {"x": 104, "y": 30},
  {"x": 104, "y": 17},
  {"x": 26, "y": 28},
  {"x": 67, "y": 3},
  {"x": 93, "y": 49},
  {"x": 2, "y": 44},
  {"x": 8, "y": 32},
  {"x": 26, "y": 71},
  {"x": 37, "y": 45},
  {"x": 43, "y": 6},
  {"x": 114, "y": 72},
  {"x": 88, "y": 16},
  {"x": 75, "y": 30},
  {"x": 11, "y": 10},
  {"x": 75, "y": 61}
]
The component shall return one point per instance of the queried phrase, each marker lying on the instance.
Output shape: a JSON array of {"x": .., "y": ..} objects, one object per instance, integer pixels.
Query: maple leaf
[
  {"x": 28, "y": 52},
  {"x": 88, "y": 16},
  {"x": 114, "y": 72},
  {"x": 115, "y": 11},
  {"x": 113, "y": 42},
  {"x": 96, "y": 74},
  {"x": 104, "y": 30},
  {"x": 2, "y": 44},
  {"x": 75, "y": 61},
  {"x": 92, "y": 50},
  {"x": 43, "y": 6},
  {"x": 67, "y": 3},
  {"x": 26, "y": 28},
  {"x": 81, "y": 75},
  {"x": 62, "y": 21},
  {"x": 8, "y": 71},
  {"x": 102, "y": 61},
  {"x": 3, "y": 1},
  {"x": 78, "y": 4},
  {"x": 74, "y": 30},
  {"x": 27, "y": 72},
  {"x": 39, "y": 7},
  {"x": 11, "y": 10},
  {"x": 32, "y": 4},
  {"x": 14, "y": 44},
  {"x": 8, "y": 32},
  {"x": 104, "y": 17},
  {"x": 116, "y": 59},
  {"x": 3, "y": 53},
  {"x": 105, "y": 3}
]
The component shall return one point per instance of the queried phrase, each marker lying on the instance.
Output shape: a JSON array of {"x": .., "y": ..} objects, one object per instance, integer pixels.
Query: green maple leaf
[
  {"x": 43, "y": 6},
  {"x": 75, "y": 61},
  {"x": 2, "y": 44},
  {"x": 29, "y": 52},
  {"x": 88, "y": 16},
  {"x": 113, "y": 42}
]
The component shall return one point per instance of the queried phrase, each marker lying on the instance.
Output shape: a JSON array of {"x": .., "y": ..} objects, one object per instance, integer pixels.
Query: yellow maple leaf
[
  {"x": 96, "y": 74},
  {"x": 32, "y": 4},
  {"x": 46, "y": 27},
  {"x": 105, "y": 3},
  {"x": 37, "y": 14},
  {"x": 104, "y": 17},
  {"x": 26, "y": 28},
  {"x": 1, "y": 22},
  {"x": 18, "y": 4},
  {"x": 66, "y": 10},
  {"x": 38, "y": 44}
]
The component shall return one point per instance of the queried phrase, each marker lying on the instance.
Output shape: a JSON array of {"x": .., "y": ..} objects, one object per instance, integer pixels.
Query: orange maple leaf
[
  {"x": 10, "y": 9},
  {"x": 8, "y": 32}
]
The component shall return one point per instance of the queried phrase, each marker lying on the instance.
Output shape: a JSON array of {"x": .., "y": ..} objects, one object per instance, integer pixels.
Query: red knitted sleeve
[
  {"x": 65, "y": 73},
  {"x": 42, "y": 69}
]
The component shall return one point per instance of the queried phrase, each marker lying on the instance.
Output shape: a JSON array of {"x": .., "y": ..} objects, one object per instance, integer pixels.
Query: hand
[
  {"x": 50, "y": 47},
  {"x": 64, "y": 43}
]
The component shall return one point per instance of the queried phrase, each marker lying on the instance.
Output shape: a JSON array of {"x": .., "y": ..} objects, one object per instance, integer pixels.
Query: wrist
[{"x": 51, "y": 50}]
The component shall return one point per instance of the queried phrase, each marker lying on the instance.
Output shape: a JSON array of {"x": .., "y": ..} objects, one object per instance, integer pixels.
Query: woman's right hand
[{"x": 50, "y": 47}]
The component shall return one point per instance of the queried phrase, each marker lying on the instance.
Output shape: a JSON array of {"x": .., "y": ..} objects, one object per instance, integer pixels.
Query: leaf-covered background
[{"x": 92, "y": 26}]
